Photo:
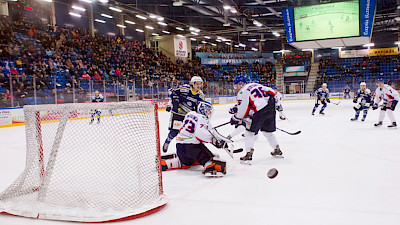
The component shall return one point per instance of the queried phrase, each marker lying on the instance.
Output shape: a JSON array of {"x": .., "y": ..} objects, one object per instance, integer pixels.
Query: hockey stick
[
  {"x": 335, "y": 103},
  {"x": 221, "y": 125},
  {"x": 295, "y": 133}
]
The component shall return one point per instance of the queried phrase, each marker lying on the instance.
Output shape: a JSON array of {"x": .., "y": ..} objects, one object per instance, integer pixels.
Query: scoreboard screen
[{"x": 325, "y": 21}]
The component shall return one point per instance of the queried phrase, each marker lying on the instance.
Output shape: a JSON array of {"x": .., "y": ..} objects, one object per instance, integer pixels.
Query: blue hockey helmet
[
  {"x": 205, "y": 108},
  {"x": 240, "y": 78},
  {"x": 380, "y": 79},
  {"x": 274, "y": 87}
]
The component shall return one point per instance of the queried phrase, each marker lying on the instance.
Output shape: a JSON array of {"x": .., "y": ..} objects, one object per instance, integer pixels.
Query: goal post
[{"x": 89, "y": 172}]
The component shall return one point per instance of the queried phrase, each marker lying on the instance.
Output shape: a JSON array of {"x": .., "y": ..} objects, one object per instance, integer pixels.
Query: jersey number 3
[
  {"x": 259, "y": 92},
  {"x": 189, "y": 126}
]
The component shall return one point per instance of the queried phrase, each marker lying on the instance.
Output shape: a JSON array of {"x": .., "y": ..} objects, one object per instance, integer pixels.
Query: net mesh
[{"x": 77, "y": 170}]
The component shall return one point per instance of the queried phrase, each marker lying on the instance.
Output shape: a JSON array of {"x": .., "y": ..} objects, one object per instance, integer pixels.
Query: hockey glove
[
  {"x": 233, "y": 110},
  {"x": 168, "y": 109},
  {"x": 218, "y": 143},
  {"x": 328, "y": 100},
  {"x": 235, "y": 120},
  {"x": 355, "y": 100},
  {"x": 374, "y": 106},
  {"x": 393, "y": 106}
]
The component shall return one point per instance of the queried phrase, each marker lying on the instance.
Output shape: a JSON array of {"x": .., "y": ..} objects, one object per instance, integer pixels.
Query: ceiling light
[
  {"x": 115, "y": 9},
  {"x": 227, "y": 40},
  {"x": 120, "y": 25},
  {"x": 263, "y": 39},
  {"x": 179, "y": 28},
  {"x": 254, "y": 49},
  {"x": 141, "y": 17},
  {"x": 397, "y": 43},
  {"x": 139, "y": 30},
  {"x": 242, "y": 45},
  {"x": 149, "y": 27},
  {"x": 233, "y": 10},
  {"x": 152, "y": 16},
  {"x": 160, "y": 18},
  {"x": 207, "y": 37},
  {"x": 245, "y": 32},
  {"x": 194, "y": 33},
  {"x": 154, "y": 34},
  {"x": 166, "y": 32},
  {"x": 276, "y": 34},
  {"x": 88, "y": 1},
  {"x": 213, "y": 44},
  {"x": 100, "y": 21},
  {"x": 204, "y": 42},
  {"x": 227, "y": 6},
  {"x": 193, "y": 39},
  {"x": 103, "y": 1},
  {"x": 180, "y": 35},
  {"x": 336, "y": 47},
  {"x": 177, "y": 3},
  {"x": 236, "y": 46},
  {"x": 226, "y": 24},
  {"x": 162, "y": 23},
  {"x": 74, "y": 14},
  {"x": 227, "y": 43},
  {"x": 253, "y": 39},
  {"x": 111, "y": 33},
  {"x": 218, "y": 40},
  {"x": 78, "y": 8},
  {"x": 130, "y": 22},
  {"x": 306, "y": 50},
  {"x": 369, "y": 45},
  {"x": 106, "y": 15},
  {"x": 47, "y": 0}
]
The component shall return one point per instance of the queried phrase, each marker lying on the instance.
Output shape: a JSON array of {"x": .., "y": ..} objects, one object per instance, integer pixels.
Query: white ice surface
[{"x": 336, "y": 172}]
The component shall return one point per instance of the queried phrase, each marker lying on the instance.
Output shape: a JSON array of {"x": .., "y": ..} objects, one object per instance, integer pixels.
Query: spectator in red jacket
[
  {"x": 85, "y": 76},
  {"x": 96, "y": 76}
]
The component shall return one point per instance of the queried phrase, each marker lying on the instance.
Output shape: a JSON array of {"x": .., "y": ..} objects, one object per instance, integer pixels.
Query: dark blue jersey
[
  {"x": 365, "y": 95},
  {"x": 98, "y": 98},
  {"x": 184, "y": 99},
  {"x": 322, "y": 94}
]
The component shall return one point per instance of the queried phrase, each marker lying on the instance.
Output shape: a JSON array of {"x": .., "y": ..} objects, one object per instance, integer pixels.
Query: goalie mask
[{"x": 205, "y": 108}]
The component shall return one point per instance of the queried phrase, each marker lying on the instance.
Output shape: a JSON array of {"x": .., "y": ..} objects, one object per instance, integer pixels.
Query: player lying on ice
[{"x": 190, "y": 148}]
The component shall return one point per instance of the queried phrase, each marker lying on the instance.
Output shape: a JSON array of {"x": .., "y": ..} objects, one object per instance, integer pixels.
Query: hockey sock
[
  {"x": 381, "y": 115},
  {"x": 357, "y": 114},
  {"x": 314, "y": 109},
  {"x": 390, "y": 115},
  {"x": 249, "y": 140},
  {"x": 271, "y": 139},
  {"x": 323, "y": 108},
  {"x": 237, "y": 131},
  {"x": 171, "y": 135}
]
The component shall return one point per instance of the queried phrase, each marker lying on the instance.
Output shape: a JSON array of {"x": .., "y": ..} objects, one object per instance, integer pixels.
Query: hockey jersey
[
  {"x": 195, "y": 129},
  {"x": 98, "y": 98},
  {"x": 252, "y": 98},
  {"x": 184, "y": 99},
  {"x": 364, "y": 95},
  {"x": 322, "y": 94},
  {"x": 278, "y": 100},
  {"x": 386, "y": 94}
]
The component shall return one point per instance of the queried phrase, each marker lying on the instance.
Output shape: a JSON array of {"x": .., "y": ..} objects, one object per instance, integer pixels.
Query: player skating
[
  {"x": 97, "y": 98},
  {"x": 194, "y": 132},
  {"x": 389, "y": 98},
  {"x": 365, "y": 96},
  {"x": 321, "y": 97},
  {"x": 347, "y": 92},
  {"x": 278, "y": 103},
  {"x": 184, "y": 99},
  {"x": 257, "y": 102}
]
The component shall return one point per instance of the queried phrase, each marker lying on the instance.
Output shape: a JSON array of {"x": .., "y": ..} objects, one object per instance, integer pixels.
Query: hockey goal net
[{"x": 77, "y": 171}]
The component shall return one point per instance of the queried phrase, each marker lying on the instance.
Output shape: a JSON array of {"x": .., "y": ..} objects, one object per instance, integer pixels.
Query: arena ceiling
[{"x": 248, "y": 21}]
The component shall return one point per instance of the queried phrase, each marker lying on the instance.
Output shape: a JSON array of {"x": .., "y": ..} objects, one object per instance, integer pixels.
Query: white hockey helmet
[
  {"x": 195, "y": 79},
  {"x": 363, "y": 84},
  {"x": 324, "y": 85}
]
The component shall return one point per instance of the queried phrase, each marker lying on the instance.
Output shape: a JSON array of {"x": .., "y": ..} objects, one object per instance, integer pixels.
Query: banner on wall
[
  {"x": 180, "y": 46},
  {"x": 5, "y": 116},
  {"x": 367, "y": 14},
  {"x": 233, "y": 61},
  {"x": 383, "y": 51},
  {"x": 287, "y": 15},
  {"x": 354, "y": 53}
]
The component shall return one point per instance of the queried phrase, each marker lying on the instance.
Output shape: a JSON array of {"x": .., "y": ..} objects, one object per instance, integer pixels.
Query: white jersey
[
  {"x": 386, "y": 94},
  {"x": 252, "y": 98},
  {"x": 278, "y": 99},
  {"x": 194, "y": 129}
]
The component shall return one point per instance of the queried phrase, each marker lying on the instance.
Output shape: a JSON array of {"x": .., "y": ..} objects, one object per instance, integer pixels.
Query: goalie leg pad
[
  {"x": 215, "y": 168},
  {"x": 169, "y": 162}
]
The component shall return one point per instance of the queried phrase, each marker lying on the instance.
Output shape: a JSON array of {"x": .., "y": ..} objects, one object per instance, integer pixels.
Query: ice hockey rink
[{"x": 336, "y": 172}]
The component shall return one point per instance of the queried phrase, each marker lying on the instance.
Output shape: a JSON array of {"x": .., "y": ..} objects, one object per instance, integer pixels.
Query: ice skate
[
  {"x": 165, "y": 147},
  {"x": 354, "y": 119},
  {"x": 378, "y": 124},
  {"x": 363, "y": 119},
  {"x": 247, "y": 158},
  {"x": 282, "y": 118},
  {"x": 393, "y": 125},
  {"x": 216, "y": 168},
  {"x": 321, "y": 113},
  {"x": 277, "y": 152}
]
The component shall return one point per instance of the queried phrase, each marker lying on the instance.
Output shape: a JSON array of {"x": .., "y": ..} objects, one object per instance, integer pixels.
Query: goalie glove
[{"x": 217, "y": 143}]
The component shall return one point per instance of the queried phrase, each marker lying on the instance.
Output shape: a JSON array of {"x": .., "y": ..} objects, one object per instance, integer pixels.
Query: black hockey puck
[{"x": 272, "y": 173}]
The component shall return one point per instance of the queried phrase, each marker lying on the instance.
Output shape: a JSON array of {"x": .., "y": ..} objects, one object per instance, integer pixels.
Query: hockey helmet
[
  {"x": 324, "y": 85},
  {"x": 195, "y": 79},
  {"x": 274, "y": 87},
  {"x": 363, "y": 84},
  {"x": 380, "y": 80},
  {"x": 96, "y": 92},
  {"x": 205, "y": 108},
  {"x": 240, "y": 78}
]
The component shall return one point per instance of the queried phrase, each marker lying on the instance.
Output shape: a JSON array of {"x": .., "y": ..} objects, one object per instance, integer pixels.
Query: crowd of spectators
[{"x": 31, "y": 50}]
